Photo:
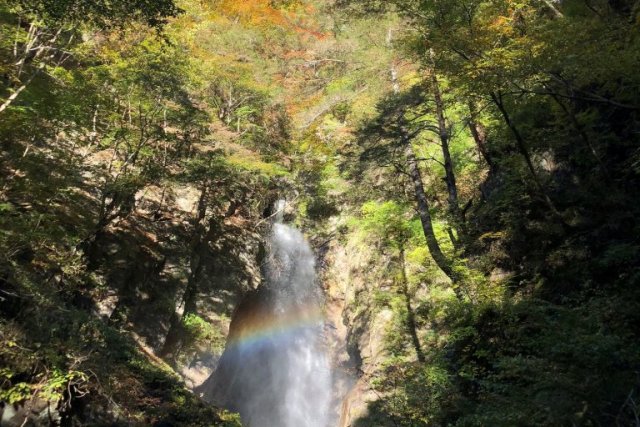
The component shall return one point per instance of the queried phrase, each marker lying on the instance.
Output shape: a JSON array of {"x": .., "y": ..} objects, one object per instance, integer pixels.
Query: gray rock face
[{"x": 349, "y": 284}]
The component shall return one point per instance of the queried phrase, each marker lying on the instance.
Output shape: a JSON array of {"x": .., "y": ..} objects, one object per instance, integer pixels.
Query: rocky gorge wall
[
  {"x": 146, "y": 261},
  {"x": 351, "y": 271},
  {"x": 164, "y": 280},
  {"x": 131, "y": 311}
]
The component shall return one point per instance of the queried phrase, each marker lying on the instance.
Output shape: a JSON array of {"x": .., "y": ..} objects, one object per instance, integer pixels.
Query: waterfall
[
  {"x": 303, "y": 368},
  {"x": 275, "y": 370},
  {"x": 279, "y": 208}
]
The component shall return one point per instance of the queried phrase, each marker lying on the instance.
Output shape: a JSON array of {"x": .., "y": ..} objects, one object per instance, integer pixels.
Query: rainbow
[{"x": 259, "y": 330}]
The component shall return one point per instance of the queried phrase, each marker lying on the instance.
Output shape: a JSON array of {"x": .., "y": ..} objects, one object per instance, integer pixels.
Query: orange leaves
[
  {"x": 502, "y": 26},
  {"x": 295, "y": 54},
  {"x": 262, "y": 13},
  {"x": 254, "y": 12},
  {"x": 499, "y": 22}
]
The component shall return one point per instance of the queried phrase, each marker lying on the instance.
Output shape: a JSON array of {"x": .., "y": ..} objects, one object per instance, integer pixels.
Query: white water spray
[
  {"x": 304, "y": 367},
  {"x": 275, "y": 370}
]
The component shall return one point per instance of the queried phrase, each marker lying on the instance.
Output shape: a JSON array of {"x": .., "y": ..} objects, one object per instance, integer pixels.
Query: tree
[
  {"x": 47, "y": 32},
  {"x": 99, "y": 13},
  {"x": 443, "y": 134},
  {"x": 387, "y": 220},
  {"x": 390, "y": 137}
]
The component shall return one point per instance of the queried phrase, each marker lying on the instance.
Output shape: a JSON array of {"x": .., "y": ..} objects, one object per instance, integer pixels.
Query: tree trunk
[
  {"x": 174, "y": 339},
  {"x": 553, "y": 8},
  {"x": 411, "y": 319},
  {"x": 479, "y": 134},
  {"x": 395, "y": 85},
  {"x": 19, "y": 90},
  {"x": 522, "y": 148},
  {"x": 203, "y": 235},
  {"x": 32, "y": 37},
  {"x": 450, "y": 177},
  {"x": 580, "y": 129},
  {"x": 423, "y": 211}
]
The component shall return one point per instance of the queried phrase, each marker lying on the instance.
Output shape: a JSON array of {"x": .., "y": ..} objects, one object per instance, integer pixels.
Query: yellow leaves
[
  {"x": 305, "y": 103},
  {"x": 261, "y": 13},
  {"x": 254, "y": 12},
  {"x": 500, "y": 24},
  {"x": 497, "y": 235},
  {"x": 296, "y": 54},
  {"x": 249, "y": 161}
]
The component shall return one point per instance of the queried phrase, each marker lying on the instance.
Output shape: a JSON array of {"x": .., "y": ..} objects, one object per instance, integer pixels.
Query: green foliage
[
  {"x": 202, "y": 332},
  {"x": 17, "y": 393},
  {"x": 254, "y": 163},
  {"x": 113, "y": 115},
  {"x": 59, "y": 382},
  {"x": 387, "y": 220},
  {"x": 414, "y": 394},
  {"x": 544, "y": 332},
  {"x": 102, "y": 13}
]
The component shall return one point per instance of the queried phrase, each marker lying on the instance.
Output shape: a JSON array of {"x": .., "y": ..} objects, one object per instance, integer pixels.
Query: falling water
[
  {"x": 303, "y": 369},
  {"x": 275, "y": 370}
]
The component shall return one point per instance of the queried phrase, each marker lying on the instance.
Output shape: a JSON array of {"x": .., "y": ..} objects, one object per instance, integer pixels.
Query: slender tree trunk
[
  {"x": 423, "y": 211},
  {"x": 578, "y": 127},
  {"x": 19, "y": 90},
  {"x": 16, "y": 37},
  {"x": 556, "y": 12},
  {"x": 479, "y": 134},
  {"x": 411, "y": 319},
  {"x": 453, "y": 238},
  {"x": 94, "y": 125},
  {"x": 13, "y": 96},
  {"x": 522, "y": 148},
  {"x": 393, "y": 72},
  {"x": 203, "y": 235},
  {"x": 175, "y": 334},
  {"x": 32, "y": 38},
  {"x": 164, "y": 121},
  {"x": 450, "y": 177}
]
